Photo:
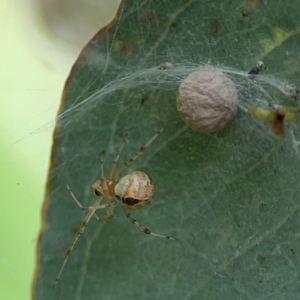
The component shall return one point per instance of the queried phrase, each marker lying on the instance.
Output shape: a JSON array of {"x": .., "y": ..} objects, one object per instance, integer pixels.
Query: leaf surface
[{"x": 232, "y": 197}]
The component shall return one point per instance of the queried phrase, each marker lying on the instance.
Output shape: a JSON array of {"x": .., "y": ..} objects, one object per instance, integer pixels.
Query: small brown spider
[{"x": 134, "y": 191}]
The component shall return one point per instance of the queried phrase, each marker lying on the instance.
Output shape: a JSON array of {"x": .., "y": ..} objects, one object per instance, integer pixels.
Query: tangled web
[{"x": 258, "y": 92}]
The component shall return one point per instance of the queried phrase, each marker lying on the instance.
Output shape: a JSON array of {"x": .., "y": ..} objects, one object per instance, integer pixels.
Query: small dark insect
[{"x": 256, "y": 70}]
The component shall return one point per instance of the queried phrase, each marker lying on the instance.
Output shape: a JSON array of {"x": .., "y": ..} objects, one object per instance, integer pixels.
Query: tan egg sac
[
  {"x": 207, "y": 100},
  {"x": 135, "y": 190}
]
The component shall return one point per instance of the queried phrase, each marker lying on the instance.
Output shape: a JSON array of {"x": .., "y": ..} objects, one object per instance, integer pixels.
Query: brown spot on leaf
[
  {"x": 151, "y": 17},
  {"x": 127, "y": 48},
  {"x": 215, "y": 26},
  {"x": 278, "y": 122}
]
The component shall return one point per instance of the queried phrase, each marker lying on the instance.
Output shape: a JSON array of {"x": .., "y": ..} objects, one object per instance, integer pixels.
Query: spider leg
[
  {"x": 117, "y": 155},
  {"x": 111, "y": 203},
  {"x": 135, "y": 156},
  {"x": 144, "y": 229},
  {"x": 78, "y": 234},
  {"x": 74, "y": 197},
  {"x": 80, "y": 206},
  {"x": 101, "y": 164},
  {"x": 109, "y": 216}
]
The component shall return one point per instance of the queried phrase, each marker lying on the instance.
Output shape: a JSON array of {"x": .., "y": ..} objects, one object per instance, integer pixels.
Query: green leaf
[{"x": 231, "y": 198}]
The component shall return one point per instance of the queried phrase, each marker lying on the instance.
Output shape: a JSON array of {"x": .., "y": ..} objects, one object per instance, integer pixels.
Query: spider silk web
[{"x": 231, "y": 197}]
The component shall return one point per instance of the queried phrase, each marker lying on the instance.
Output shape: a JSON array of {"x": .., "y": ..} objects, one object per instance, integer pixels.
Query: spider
[{"x": 134, "y": 191}]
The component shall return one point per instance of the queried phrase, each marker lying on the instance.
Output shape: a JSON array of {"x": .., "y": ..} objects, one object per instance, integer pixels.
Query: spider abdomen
[{"x": 135, "y": 190}]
